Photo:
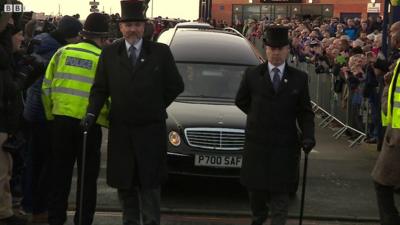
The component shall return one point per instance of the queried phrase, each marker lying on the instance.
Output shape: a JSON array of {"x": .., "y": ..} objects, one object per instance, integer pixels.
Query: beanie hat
[
  {"x": 96, "y": 24},
  {"x": 382, "y": 65},
  {"x": 69, "y": 27},
  {"x": 357, "y": 50}
]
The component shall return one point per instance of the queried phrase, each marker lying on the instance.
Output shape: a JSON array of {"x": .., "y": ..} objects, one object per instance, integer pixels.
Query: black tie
[
  {"x": 276, "y": 80},
  {"x": 132, "y": 55}
]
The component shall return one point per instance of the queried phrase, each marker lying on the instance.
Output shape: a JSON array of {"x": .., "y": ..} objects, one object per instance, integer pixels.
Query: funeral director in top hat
[
  {"x": 275, "y": 98},
  {"x": 142, "y": 80}
]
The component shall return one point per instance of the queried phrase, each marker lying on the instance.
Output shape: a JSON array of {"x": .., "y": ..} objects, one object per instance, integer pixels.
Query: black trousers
[
  {"x": 67, "y": 148},
  {"x": 140, "y": 206},
  {"x": 388, "y": 213},
  {"x": 37, "y": 174},
  {"x": 263, "y": 201}
]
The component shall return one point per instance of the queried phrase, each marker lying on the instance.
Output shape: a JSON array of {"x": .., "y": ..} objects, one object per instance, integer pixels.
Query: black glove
[
  {"x": 308, "y": 145},
  {"x": 13, "y": 144},
  {"x": 88, "y": 121}
]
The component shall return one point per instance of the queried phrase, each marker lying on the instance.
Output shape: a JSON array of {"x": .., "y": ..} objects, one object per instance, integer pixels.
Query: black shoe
[
  {"x": 371, "y": 141},
  {"x": 259, "y": 221},
  {"x": 13, "y": 220},
  {"x": 255, "y": 223}
]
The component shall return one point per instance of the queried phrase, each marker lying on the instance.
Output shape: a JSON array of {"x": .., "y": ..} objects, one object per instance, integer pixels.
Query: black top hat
[
  {"x": 96, "y": 25},
  {"x": 133, "y": 10},
  {"x": 276, "y": 36}
]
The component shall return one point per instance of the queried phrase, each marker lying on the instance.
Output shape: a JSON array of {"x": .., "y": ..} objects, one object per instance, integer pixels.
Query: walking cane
[
  {"x": 82, "y": 177},
  {"x": 303, "y": 191}
]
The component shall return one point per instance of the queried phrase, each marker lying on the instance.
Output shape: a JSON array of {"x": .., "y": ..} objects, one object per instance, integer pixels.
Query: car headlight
[{"x": 174, "y": 138}]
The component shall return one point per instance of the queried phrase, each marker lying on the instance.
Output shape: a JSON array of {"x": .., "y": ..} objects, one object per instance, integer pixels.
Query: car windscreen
[{"x": 215, "y": 81}]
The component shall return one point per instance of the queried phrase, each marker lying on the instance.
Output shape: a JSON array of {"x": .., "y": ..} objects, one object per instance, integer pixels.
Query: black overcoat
[
  {"x": 273, "y": 141},
  {"x": 139, "y": 98}
]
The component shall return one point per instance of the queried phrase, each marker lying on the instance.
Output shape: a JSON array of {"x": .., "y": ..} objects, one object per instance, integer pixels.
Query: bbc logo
[{"x": 13, "y": 8}]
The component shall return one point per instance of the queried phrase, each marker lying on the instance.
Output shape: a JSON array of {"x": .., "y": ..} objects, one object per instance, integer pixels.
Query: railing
[{"x": 335, "y": 107}]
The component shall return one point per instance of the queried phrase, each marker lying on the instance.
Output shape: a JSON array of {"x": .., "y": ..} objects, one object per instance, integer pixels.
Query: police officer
[
  {"x": 386, "y": 173},
  {"x": 66, "y": 87}
]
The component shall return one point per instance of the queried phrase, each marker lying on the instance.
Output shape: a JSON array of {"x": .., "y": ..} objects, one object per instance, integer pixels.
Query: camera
[
  {"x": 30, "y": 46},
  {"x": 30, "y": 68},
  {"x": 321, "y": 65},
  {"x": 293, "y": 59},
  {"x": 314, "y": 44},
  {"x": 319, "y": 68}
]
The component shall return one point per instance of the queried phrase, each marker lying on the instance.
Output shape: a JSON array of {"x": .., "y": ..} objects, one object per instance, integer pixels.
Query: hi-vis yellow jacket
[
  {"x": 393, "y": 109},
  {"x": 69, "y": 77}
]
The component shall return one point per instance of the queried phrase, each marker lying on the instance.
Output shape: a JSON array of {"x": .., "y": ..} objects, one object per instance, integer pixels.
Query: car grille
[{"x": 215, "y": 138}]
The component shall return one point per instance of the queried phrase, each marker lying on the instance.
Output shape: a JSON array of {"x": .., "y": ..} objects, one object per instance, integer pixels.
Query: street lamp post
[
  {"x": 203, "y": 10},
  {"x": 152, "y": 8},
  {"x": 395, "y": 10},
  {"x": 208, "y": 14},
  {"x": 384, "y": 28}
]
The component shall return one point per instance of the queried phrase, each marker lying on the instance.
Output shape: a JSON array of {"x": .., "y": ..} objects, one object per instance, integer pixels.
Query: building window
[
  {"x": 311, "y": 10},
  {"x": 327, "y": 11},
  {"x": 281, "y": 11},
  {"x": 266, "y": 11},
  {"x": 251, "y": 12},
  {"x": 295, "y": 11}
]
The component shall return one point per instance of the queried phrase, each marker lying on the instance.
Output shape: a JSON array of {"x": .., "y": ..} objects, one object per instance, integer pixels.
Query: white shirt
[
  {"x": 271, "y": 73},
  {"x": 138, "y": 47}
]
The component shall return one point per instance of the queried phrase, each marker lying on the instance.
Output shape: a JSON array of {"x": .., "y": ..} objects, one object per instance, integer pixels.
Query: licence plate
[{"x": 223, "y": 161}]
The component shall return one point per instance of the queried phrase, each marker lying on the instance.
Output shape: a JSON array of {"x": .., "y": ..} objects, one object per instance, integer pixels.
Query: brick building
[{"x": 240, "y": 10}]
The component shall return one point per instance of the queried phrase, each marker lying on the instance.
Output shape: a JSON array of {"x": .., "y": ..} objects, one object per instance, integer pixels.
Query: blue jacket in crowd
[
  {"x": 352, "y": 32},
  {"x": 49, "y": 44}
]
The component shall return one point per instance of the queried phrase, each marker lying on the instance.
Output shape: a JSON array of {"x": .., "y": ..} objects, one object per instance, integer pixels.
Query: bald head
[{"x": 395, "y": 28}]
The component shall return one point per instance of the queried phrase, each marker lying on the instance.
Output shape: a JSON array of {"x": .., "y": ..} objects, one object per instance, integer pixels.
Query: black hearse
[{"x": 205, "y": 128}]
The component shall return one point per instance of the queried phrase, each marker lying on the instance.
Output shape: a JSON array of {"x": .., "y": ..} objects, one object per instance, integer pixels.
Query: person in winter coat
[
  {"x": 14, "y": 79},
  {"x": 386, "y": 173},
  {"x": 65, "y": 91},
  {"x": 280, "y": 122},
  {"x": 142, "y": 80}
]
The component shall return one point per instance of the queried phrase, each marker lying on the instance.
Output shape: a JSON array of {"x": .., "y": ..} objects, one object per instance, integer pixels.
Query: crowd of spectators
[{"x": 349, "y": 51}]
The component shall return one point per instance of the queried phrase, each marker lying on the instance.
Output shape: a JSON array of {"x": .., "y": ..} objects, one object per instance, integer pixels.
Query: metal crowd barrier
[{"x": 334, "y": 107}]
